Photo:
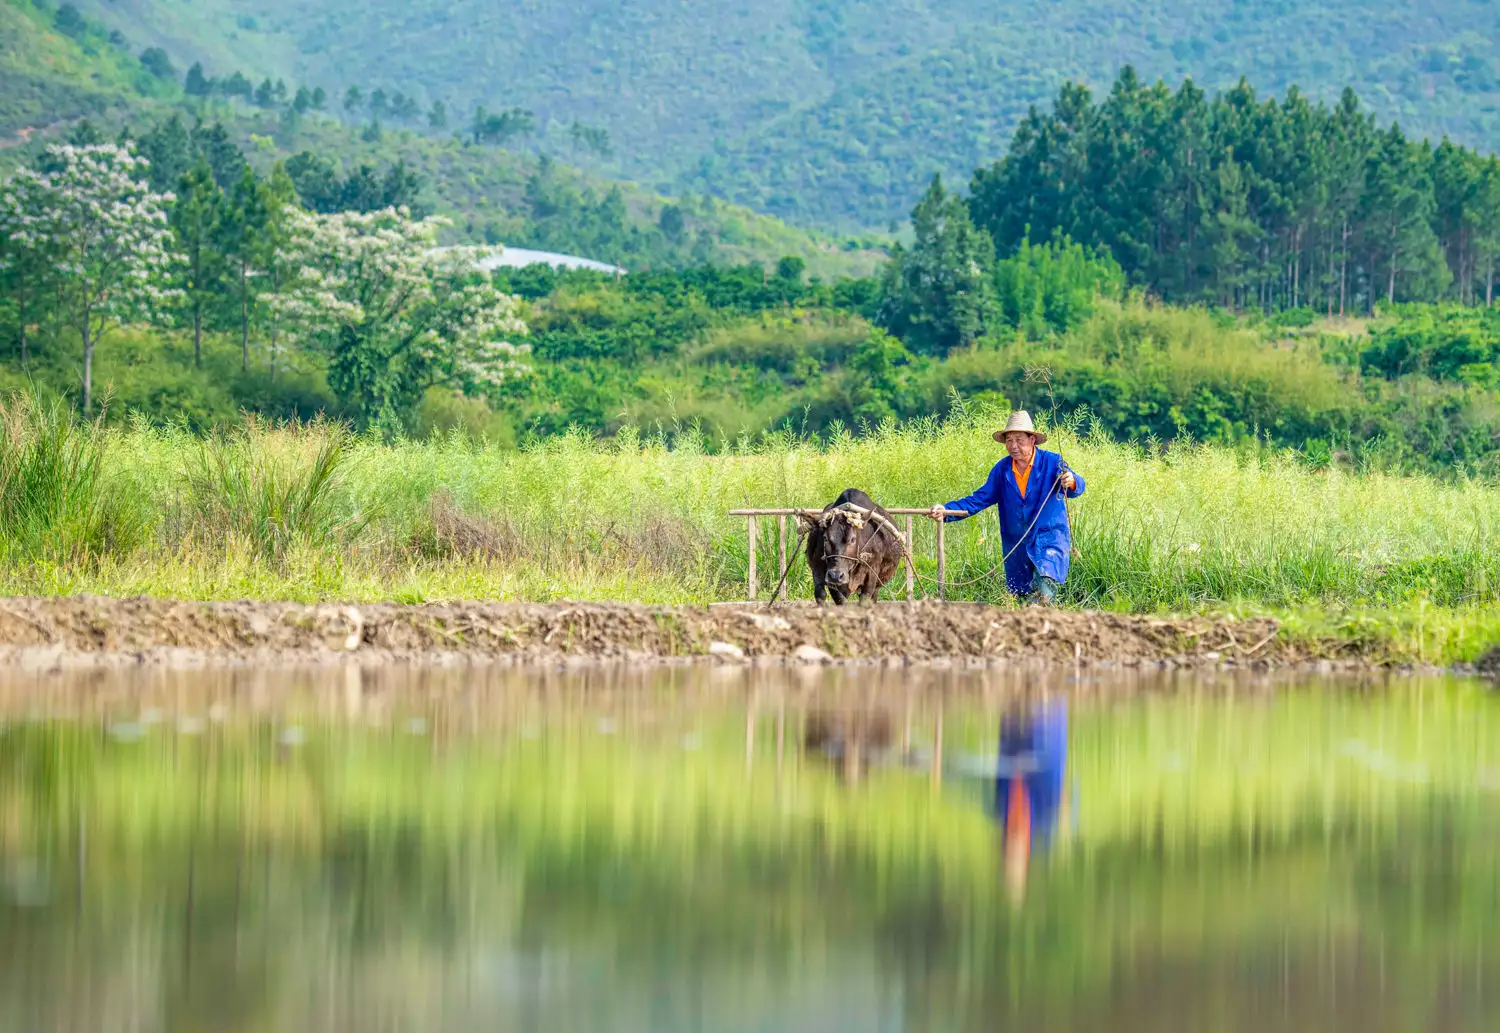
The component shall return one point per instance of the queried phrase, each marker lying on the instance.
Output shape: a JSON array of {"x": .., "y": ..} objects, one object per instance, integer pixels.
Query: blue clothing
[
  {"x": 1049, "y": 546},
  {"x": 1036, "y": 752}
]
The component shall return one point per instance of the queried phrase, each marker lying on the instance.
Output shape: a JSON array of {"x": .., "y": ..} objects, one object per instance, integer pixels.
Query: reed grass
[{"x": 308, "y": 512}]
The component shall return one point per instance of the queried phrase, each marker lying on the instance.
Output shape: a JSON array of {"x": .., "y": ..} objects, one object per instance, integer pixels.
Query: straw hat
[{"x": 1020, "y": 420}]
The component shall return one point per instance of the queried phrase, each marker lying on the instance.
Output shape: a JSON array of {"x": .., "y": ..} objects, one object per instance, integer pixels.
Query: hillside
[
  {"x": 49, "y": 79},
  {"x": 833, "y": 112}
]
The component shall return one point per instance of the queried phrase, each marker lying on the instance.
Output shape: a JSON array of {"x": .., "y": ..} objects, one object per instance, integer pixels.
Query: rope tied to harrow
[{"x": 856, "y": 517}]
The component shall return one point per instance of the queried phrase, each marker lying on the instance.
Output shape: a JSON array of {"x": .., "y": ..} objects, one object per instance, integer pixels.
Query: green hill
[
  {"x": 54, "y": 72},
  {"x": 833, "y": 112}
]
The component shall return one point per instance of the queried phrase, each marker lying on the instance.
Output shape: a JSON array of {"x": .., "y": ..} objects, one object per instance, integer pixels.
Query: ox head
[{"x": 838, "y": 546}]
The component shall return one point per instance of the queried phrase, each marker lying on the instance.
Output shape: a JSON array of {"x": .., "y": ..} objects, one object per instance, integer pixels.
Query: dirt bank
[{"x": 93, "y": 630}]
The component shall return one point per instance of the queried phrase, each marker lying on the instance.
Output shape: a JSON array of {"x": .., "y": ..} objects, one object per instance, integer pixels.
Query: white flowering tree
[
  {"x": 88, "y": 217},
  {"x": 393, "y": 314}
]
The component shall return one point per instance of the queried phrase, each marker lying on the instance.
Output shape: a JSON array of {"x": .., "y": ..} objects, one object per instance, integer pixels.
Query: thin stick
[
  {"x": 942, "y": 558},
  {"x": 911, "y": 581},
  {"x": 780, "y": 556},
  {"x": 751, "y": 529}
]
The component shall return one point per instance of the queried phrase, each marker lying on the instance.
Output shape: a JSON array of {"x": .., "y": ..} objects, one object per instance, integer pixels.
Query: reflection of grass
[
  {"x": 1398, "y": 566},
  {"x": 1208, "y": 824}
]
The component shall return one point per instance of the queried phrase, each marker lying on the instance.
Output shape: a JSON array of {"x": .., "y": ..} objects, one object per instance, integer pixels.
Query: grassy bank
[{"x": 310, "y": 512}]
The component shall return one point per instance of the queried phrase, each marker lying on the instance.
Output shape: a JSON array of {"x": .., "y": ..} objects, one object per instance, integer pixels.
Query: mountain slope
[
  {"x": 492, "y": 195},
  {"x": 835, "y": 111}
]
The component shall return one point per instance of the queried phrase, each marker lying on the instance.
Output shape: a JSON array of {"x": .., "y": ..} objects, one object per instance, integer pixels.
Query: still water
[{"x": 732, "y": 850}]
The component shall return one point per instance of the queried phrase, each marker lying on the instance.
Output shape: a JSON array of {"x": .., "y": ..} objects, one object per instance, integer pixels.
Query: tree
[
  {"x": 353, "y": 98},
  {"x": 155, "y": 61},
  {"x": 319, "y": 98},
  {"x": 499, "y": 128},
  {"x": 241, "y": 237},
  {"x": 437, "y": 116},
  {"x": 26, "y": 271},
  {"x": 937, "y": 296},
  {"x": 236, "y": 86},
  {"x": 672, "y": 223},
  {"x": 92, "y": 217},
  {"x": 393, "y": 315},
  {"x": 169, "y": 148},
  {"x": 1397, "y": 210},
  {"x": 379, "y": 105},
  {"x": 197, "y": 84},
  {"x": 69, "y": 22},
  {"x": 223, "y": 155},
  {"x": 593, "y": 138},
  {"x": 302, "y": 102},
  {"x": 281, "y": 268},
  {"x": 265, "y": 94},
  {"x": 195, "y": 216}
]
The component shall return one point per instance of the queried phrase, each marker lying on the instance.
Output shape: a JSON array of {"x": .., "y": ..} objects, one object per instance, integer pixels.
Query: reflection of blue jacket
[
  {"x": 1050, "y": 545},
  {"x": 1035, "y": 751}
]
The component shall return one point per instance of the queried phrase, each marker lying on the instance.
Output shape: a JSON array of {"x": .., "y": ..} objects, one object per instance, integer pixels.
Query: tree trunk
[
  {"x": 275, "y": 319},
  {"x": 1390, "y": 291},
  {"x": 1489, "y": 285},
  {"x": 88, "y": 368},
  {"x": 197, "y": 333},
  {"x": 244, "y": 319},
  {"x": 1344, "y": 268}
]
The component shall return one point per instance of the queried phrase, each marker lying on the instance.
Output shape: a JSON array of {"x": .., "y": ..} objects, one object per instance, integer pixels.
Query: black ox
[{"x": 849, "y": 550}]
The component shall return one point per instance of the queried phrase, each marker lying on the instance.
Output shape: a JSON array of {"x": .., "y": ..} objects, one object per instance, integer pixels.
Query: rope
[{"x": 906, "y": 548}]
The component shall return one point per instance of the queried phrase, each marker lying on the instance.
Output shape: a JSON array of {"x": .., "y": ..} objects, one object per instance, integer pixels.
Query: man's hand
[
  {"x": 1067, "y": 480},
  {"x": 937, "y": 513}
]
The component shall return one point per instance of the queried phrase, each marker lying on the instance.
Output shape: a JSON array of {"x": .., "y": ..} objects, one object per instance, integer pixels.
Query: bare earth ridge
[{"x": 86, "y": 631}]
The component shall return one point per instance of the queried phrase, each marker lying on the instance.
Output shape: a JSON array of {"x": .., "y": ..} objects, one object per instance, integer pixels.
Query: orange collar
[{"x": 1023, "y": 473}]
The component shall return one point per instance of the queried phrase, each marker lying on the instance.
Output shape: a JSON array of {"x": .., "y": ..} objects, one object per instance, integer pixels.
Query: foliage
[
  {"x": 1185, "y": 528},
  {"x": 99, "y": 233},
  {"x": 840, "y": 117},
  {"x": 273, "y": 492},
  {"x": 1045, "y": 289},
  {"x": 393, "y": 317},
  {"x": 52, "y": 493},
  {"x": 1245, "y": 203},
  {"x": 937, "y": 294},
  {"x": 1444, "y": 343}
]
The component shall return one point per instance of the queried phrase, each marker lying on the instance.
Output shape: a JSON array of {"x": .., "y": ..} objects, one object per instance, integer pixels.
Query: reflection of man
[{"x": 1029, "y": 795}]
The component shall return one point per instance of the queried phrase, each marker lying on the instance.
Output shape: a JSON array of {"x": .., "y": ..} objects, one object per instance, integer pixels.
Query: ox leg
[{"x": 820, "y": 591}]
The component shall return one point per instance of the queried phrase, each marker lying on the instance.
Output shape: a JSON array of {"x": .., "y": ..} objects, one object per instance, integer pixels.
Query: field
[{"x": 310, "y": 512}]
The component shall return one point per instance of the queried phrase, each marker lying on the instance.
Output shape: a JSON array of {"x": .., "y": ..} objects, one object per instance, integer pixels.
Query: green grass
[{"x": 1399, "y": 565}]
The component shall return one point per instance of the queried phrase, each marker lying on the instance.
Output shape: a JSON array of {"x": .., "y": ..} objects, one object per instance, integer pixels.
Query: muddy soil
[{"x": 89, "y": 631}]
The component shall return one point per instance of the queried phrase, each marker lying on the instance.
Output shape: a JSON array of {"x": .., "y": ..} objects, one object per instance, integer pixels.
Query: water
[{"x": 661, "y": 851}]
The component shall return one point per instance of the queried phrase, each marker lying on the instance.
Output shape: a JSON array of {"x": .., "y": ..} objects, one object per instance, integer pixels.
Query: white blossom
[
  {"x": 375, "y": 278},
  {"x": 89, "y": 216}
]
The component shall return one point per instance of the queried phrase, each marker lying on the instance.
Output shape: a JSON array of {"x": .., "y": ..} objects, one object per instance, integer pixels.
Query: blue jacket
[
  {"x": 1040, "y": 747},
  {"x": 1049, "y": 546}
]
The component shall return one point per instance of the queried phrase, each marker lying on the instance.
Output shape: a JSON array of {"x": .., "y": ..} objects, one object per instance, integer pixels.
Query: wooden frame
[{"x": 752, "y": 531}]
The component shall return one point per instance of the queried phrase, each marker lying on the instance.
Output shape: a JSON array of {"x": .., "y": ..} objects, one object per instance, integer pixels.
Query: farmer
[{"x": 1029, "y": 489}]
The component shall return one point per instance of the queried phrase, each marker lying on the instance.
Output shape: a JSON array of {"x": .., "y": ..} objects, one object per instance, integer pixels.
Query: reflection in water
[
  {"x": 1029, "y": 776},
  {"x": 691, "y": 849}
]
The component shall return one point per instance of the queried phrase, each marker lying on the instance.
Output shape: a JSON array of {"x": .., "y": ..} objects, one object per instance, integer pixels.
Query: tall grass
[
  {"x": 53, "y": 501},
  {"x": 308, "y": 512},
  {"x": 274, "y": 491}
]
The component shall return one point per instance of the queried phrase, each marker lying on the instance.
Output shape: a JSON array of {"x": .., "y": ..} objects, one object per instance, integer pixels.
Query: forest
[
  {"x": 830, "y": 113},
  {"x": 1243, "y": 202},
  {"x": 994, "y": 299}
]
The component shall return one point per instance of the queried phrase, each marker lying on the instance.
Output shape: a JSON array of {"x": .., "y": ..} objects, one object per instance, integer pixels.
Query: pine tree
[
  {"x": 197, "y": 84},
  {"x": 937, "y": 296},
  {"x": 240, "y": 236},
  {"x": 194, "y": 217}
]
